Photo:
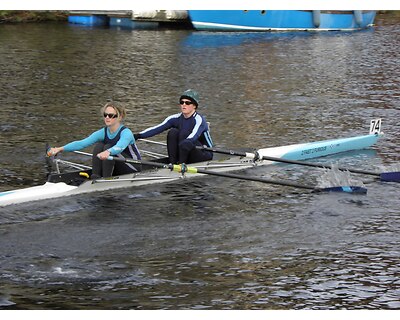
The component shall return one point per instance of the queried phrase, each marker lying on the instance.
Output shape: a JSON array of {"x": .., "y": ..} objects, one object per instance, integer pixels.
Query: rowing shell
[{"x": 301, "y": 151}]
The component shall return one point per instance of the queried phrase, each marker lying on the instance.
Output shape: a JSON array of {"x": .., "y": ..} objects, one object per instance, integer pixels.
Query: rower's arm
[
  {"x": 88, "y": 141},
  {"x": 124, "y": 141},
  {"x": 168, "y": 123}
]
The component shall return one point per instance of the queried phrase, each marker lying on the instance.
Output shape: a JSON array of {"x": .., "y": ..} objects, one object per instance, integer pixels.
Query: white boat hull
[
  {"x": 46, "y": 191},
  {"x": 51, "y": 190}
]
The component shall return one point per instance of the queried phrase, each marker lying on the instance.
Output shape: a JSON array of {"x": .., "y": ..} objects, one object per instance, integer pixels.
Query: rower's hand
[
  {"x": 53, "y": 151},
  {"x": 103, "y": 155}
]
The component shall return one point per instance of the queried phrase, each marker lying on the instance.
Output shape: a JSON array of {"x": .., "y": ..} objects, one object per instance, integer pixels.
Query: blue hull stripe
[{"x": 6, "y": 193}]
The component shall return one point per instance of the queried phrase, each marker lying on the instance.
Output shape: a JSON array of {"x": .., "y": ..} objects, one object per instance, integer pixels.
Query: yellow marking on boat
[
  {"x": 191, "y": 169},
  {"x": 182, "y": 168},
  {"x": 84, "y": 174}
]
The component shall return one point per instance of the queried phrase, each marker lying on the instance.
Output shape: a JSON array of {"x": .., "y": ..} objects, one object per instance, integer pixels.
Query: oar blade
[
  {"x": 347, "y": 189},
  {"x": 390, "y": 176}
]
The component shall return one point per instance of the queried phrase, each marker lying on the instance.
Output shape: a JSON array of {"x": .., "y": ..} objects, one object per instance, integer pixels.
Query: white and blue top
[
  {"x": 122, "y": 142},
  {"x": 194, "y": 128}
]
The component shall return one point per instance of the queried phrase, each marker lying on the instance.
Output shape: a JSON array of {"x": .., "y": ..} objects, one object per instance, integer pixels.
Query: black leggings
[
  {"x": 108, "y": 168},
  {"x": 184, "y": 151}
]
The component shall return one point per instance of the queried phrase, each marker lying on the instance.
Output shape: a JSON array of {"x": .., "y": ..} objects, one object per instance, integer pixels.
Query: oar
[
  {"x": 383, "y": 176},
  {"x": 182, "y": 168}
]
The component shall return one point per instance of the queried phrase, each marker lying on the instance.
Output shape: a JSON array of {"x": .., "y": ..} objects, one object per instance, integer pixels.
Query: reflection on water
[
  {"x": 207, "y": 243},
  {"x": 206, "y": 40}
]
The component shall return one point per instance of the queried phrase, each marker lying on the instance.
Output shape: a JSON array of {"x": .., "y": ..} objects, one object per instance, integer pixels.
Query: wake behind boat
[{"x": 77, "y": 182}]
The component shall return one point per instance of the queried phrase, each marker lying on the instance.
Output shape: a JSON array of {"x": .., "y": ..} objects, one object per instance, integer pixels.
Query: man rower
[{"x": 188, "y": 129}]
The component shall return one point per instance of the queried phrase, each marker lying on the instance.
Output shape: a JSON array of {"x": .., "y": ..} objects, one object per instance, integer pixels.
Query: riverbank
[{"x": 17, "y": 16}]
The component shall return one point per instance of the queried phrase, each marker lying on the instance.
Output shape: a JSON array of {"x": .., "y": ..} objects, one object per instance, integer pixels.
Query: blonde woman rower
[{"x": 112, "y": 140}]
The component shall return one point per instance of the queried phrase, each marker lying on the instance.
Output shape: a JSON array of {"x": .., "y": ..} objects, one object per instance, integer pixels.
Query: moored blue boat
[
  {"x": 89, "y": 20},
  {"x": 281, "y": 20}
]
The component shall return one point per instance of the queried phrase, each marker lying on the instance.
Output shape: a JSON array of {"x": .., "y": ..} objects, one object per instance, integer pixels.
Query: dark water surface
[{"x": 209, "y": 243}]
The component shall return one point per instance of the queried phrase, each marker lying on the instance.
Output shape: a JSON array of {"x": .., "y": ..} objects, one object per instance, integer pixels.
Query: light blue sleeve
[
  {"x": 124, "y": 141},
  {"x": 90, "y": 140}
]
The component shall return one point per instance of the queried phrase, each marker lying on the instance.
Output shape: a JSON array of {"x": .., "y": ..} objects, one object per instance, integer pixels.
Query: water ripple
[{"x": 210, "y": 243}]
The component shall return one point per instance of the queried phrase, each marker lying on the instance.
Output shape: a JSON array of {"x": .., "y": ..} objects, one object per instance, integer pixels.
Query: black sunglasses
[
  {"x": 188, "y": 103},
  {"x": 110, "y": 115}
]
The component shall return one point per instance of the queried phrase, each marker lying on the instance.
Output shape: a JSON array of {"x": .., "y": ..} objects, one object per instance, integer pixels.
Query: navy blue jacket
[{"x": 194, "y": 129}]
